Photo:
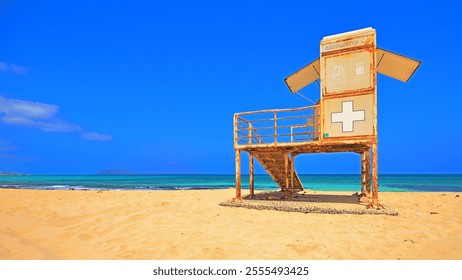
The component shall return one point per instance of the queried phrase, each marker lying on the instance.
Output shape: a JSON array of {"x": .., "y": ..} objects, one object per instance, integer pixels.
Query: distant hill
[{"x": 114, "y": 172}]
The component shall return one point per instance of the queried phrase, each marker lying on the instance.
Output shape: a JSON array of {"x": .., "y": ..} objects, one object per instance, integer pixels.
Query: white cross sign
[{"x": 347, "y": 117}]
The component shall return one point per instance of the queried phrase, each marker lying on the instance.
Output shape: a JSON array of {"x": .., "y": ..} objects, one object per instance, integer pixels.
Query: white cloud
[
  {"x": 42, "y": 116},
  {"x": 13, "y": 68},
  {"x": 33, "y": 114},
  {"x": 27, "y": 108},
  {"x": 95, "y": 136}
]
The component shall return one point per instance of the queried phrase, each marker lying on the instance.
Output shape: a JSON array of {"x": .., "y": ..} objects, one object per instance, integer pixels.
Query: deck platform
[{"x": 275, "y": 137}]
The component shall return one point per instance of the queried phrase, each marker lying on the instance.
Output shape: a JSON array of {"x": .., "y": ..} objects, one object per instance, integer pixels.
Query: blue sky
[{"x": 152, "y": 86}]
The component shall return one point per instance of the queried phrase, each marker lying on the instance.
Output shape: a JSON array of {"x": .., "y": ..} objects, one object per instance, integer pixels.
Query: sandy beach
[{"x": 186, "y": 225}]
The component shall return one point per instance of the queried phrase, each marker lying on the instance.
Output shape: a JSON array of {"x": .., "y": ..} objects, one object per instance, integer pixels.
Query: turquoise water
[{"x": 396, "y": 183}]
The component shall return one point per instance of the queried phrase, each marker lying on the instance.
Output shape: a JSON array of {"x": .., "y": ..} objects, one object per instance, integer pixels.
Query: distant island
[
  {"x": 10, "y": 174},
  {"x": 115, "y": 172}
]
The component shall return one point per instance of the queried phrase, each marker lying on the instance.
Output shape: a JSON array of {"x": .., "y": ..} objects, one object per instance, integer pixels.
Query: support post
[
  {"x": 368, "y": 173},
  {"x": 238, "y": 174},
  {"x": 292, "y": 162},
  {"x": 251, "y": 177},
  {"x": 375, "y": 177},
  {"x": 286, "y": 173},
  {"x": 363, "y": 173}
]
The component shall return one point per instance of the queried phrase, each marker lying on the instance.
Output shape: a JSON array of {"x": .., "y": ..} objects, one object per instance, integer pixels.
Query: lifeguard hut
[{"x": 343, "y": 120}]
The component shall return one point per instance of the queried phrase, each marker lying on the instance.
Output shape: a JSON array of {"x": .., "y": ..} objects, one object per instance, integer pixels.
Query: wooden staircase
[{"x": 274, "y": 164}]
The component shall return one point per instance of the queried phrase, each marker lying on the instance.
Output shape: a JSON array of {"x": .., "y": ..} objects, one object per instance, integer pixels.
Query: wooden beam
[
  {"x": 275, "y": 110},
  {"x": 375, "y": 177},
  {"x": 251, "y": 176},
  {"x": 238, "y": 174},
  {"x": 308, "y": 147}
]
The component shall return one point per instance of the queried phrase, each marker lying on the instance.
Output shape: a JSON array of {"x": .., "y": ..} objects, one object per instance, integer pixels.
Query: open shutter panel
[
  {"x": 395, "y": 65},
  {"x": 303, "y": 77}
]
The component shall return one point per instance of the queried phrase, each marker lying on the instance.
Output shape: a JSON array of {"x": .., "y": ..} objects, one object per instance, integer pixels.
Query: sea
[{"x": 389, "y": 183}]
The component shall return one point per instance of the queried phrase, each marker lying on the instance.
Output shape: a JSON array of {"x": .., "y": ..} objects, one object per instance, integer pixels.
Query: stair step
[{"x": 274, "y": 164}]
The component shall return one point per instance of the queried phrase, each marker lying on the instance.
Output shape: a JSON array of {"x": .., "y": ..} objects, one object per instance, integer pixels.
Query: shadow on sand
[{"x": 305, "y": 202}]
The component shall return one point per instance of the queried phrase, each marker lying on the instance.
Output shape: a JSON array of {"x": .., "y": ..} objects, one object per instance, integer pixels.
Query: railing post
[
  {"x": 316, "y": 123},
  {"x": 249, "y": 133},
  {"x": 275, "y": 128}
]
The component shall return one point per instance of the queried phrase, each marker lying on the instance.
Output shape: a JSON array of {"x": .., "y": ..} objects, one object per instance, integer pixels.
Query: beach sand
[{"x": 36, "y": 224}]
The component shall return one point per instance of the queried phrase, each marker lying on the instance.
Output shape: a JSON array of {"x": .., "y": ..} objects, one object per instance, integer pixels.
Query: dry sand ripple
[{"x": 156, "y": 225}]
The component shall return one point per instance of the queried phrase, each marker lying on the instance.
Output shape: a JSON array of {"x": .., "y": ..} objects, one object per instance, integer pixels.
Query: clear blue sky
[{"x": 152, "y": 86}]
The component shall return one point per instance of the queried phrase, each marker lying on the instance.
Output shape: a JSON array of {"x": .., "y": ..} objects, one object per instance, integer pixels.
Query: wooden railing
[{"x": 277, "y": 126}]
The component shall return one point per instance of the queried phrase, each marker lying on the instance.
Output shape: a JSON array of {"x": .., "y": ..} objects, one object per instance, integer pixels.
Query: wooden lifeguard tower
[{"x": 343, "y": 120}]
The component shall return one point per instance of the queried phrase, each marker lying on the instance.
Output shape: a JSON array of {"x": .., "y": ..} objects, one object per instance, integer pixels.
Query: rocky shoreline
[{"x": 278, "y": 206}]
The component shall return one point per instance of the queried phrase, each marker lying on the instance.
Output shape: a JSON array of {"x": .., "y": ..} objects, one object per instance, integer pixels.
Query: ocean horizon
[{"x": 324, "y": 182}]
